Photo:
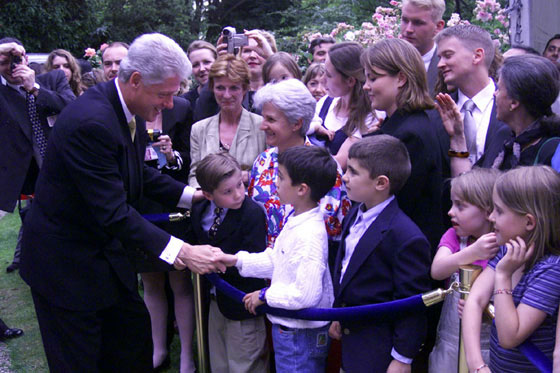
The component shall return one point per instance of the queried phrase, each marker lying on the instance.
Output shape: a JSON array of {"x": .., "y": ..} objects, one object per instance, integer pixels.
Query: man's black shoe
[{"x": 12, "y": 267}]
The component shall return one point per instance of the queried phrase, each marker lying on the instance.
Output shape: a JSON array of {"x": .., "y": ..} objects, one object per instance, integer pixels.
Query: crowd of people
[{"x": 373, "y": 176}]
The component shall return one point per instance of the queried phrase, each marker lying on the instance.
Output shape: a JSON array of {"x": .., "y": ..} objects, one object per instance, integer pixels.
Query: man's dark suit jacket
[
  {"x": 18, "y": 169},
  {"x": 83, "y": 216},
  {"x": 432, "y": 73},
  {"x": 391, "y": 261},
  {"x": 420, "y": 198},
  {"x": 242, "y": 229}
]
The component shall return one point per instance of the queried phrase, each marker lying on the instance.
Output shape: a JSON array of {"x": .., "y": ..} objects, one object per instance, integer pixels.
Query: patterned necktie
[
  {"x": 132, "y": 128},
  {"x": 38, "y": 133},
  {"x": 217, "y": 221},
  {"x": 470, "y": 127}
]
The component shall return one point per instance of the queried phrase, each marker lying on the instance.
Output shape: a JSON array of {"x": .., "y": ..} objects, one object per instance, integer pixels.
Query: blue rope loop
[
  {"x": 378, "y": 311},
  {"x": 156, "y": 218}
]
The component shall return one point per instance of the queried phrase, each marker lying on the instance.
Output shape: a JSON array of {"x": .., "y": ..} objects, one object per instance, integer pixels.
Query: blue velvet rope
[
  {"x": 536, "y": 356},
  {"x": 370, "y": 311},
  {"x": 156, "y": 218}
]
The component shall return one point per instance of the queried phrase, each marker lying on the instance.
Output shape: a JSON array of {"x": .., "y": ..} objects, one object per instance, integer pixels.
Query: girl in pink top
[{"x": 469, "y": 241}]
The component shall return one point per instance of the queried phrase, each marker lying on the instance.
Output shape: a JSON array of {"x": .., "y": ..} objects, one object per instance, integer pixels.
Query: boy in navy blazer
[
  {"x": 383, "y": 256},
  {"x": 232, "y": 221}
]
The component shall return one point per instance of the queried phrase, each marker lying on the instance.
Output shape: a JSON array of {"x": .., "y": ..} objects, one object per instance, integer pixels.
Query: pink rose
[
  {"x": 103, "y": 46},
  {"x": 89, "y": 52}
]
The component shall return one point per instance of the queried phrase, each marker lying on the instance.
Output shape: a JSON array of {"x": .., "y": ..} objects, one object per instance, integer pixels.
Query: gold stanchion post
[
  {"x": 467, "y": 276},
  {"x": 201, "y": 332}
]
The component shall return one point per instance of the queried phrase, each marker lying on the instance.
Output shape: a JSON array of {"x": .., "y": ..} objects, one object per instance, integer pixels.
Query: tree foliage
[{"x": 77, "y": 24}]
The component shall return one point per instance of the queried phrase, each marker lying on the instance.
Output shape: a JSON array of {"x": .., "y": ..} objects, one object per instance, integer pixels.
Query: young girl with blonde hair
[
  {"x": 469, "y": 241},
  {"x": 524, "y": 277}
]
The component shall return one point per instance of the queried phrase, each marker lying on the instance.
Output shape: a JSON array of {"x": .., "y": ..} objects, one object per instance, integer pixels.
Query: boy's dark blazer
[
  {"x": 391, "y": 261},
  {"x": 242, "y": 229}
]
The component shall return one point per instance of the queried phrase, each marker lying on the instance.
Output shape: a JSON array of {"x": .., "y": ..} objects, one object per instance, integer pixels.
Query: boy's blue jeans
[{"x": 300, "y": 350}]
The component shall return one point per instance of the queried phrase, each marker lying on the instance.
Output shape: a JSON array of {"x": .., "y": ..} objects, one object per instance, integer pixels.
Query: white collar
[
  {"x": 127, "y": 112},
  {"x": 14, "y": 86},
  {"x": 481, "y": 99},
  {"x": 370, "y": 215},
  {"x": 427, "y": 58}
]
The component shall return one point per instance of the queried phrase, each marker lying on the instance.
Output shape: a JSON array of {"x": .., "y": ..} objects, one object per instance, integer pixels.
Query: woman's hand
[
  {"x": 485, "y": 248},
  {"x": 264, "y": 49},
  {"x": 252, "y": 301},
  {"x": 451, "y": 117},
  {"x": 221, "y": 46},
  {"x": 516, "y": 256},
  {"x": 166, "y": 148},
  {"x": 325, "y": 132}
]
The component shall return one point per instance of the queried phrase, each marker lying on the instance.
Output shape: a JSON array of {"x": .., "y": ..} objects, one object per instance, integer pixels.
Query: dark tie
[
  {"x": 217, "y": 221},
  {"x": 470, "y": 127},
  {"x": 38, "y": 134}
]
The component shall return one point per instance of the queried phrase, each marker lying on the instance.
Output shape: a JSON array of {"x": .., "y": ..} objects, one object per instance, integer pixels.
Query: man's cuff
[
  {"x": 186, "y": 198},
  {"x": 169, "y": 254},
  {"x": 399, "y": 357}
]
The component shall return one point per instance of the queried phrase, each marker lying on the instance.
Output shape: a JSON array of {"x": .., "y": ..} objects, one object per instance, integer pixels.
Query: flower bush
[
  {"x": 385, "y": 23},
  {"x": 94, "y": 56}
]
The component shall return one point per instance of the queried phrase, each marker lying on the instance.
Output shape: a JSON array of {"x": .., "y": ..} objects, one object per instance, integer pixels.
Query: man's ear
[
  {"x": 135, "y": 79},
  {"x": 382, "y": 183},
  {"x": 207, "y": 195},
  {"x": 478, "y": 56},
  {"x": 439, "y": 26}
]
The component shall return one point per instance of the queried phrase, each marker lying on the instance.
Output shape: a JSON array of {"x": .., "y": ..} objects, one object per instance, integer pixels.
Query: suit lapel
[
  {"x": 347, "y": 223},
  {"x": 242, "y": 134},
  {"x": 19, "y": 108},
  {"x": 196, "y": 220},
  {"x": 135, "y": 160},
  {"x": 228, "y": 226},
  {"x": 432, "y": 72},
  {"x": 368, "y": 243},
  {"x": 213, "y": 135}
]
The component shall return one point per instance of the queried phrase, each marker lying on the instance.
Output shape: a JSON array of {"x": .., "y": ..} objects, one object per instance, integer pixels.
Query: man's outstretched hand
[{"x": 200, "y": 259}]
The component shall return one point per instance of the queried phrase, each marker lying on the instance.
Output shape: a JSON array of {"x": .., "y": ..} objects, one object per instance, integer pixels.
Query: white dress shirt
[
  {"x": 481, "y": 113},
  {"x": 169, "y": 254},
  {"x": 427, "y": 58},
  {"x": 364, "y": 219},
  {"x": 297, "y": 266}
]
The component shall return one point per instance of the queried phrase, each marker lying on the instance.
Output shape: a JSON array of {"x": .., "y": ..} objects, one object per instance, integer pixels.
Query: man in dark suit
[
  {"x": 21, "y": 154},
  {"x": 383, "y": 256},
  {"x": 83, "y": 222},
  {"x": 421, "y": 20},
  {"x": 466, "y": 52}
]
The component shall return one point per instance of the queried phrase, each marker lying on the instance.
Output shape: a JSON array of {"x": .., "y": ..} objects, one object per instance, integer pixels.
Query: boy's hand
[
  {"x": 517, "y": 254},
  {"x": 398, "y": 367},
  {"x": 486, "y": 247},
  {"x": 335, "y": 331},
  {"x": 227, "y": 259},
  {"x": 252, "y": 301}
]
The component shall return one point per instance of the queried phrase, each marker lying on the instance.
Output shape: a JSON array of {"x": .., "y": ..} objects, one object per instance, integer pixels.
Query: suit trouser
[{"x": 114, "y": 339}]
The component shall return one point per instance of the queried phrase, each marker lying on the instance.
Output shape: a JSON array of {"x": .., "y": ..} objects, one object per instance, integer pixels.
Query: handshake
[{"x": 203, "y": 259}]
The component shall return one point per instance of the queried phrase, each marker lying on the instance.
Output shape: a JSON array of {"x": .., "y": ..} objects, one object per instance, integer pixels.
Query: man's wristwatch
[{"x": 35, "y": 88}]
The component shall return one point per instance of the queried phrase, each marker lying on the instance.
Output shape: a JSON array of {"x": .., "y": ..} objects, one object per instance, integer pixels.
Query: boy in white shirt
[{"x": 297, "y": 264}]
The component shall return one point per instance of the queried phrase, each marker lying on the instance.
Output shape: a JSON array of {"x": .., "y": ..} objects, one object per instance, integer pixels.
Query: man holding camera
[{"x": 28, "y": 107}]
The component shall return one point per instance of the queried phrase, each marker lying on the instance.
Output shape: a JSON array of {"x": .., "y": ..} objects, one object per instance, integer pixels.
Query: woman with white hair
[{"x": 287, "y": 110}]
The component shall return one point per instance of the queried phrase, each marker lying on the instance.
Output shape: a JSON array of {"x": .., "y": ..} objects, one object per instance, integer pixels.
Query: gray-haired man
[{"x": 83, "y": 222}]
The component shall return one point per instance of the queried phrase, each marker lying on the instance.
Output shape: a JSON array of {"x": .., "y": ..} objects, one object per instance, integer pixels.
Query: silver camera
[{"x": 234, "y": 40}]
